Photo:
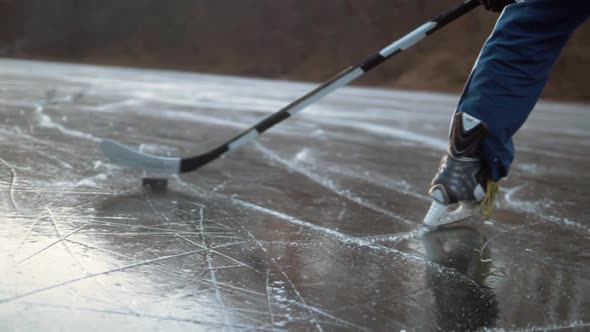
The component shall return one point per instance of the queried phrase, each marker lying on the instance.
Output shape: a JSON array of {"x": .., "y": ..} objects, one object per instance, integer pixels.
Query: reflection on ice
[{"x": 461, "y": 307}]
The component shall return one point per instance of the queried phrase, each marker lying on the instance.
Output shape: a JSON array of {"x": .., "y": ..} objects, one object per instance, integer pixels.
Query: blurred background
[{"x": 285, "y": 39}]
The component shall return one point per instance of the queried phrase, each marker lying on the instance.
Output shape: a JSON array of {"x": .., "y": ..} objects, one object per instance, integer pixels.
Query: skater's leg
[
  {"x": 512, "y": 70},
  {"x": 504, "y": 86}
]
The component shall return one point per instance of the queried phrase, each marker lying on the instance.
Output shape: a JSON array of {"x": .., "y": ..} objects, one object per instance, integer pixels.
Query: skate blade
[{"x": 440, "y": 214}]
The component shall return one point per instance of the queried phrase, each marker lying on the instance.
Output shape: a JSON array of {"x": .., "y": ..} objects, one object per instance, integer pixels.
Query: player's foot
[{"x": 461, "y": 187}]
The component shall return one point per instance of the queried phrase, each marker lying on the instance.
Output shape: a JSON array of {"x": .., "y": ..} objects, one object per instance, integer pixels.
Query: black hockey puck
[{"x": 155, "y": 184}]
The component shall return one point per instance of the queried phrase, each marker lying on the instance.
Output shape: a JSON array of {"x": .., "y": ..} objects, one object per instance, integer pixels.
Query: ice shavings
[
  {"x": 537, "y": 208},
  {"x": 551, "y": 327},
  {"x": 46, "y": 121},
  {"x": 329, "y": 184}
]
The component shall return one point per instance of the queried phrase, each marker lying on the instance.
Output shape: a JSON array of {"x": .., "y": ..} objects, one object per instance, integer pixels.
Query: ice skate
[{"x": 461, "y": 188}]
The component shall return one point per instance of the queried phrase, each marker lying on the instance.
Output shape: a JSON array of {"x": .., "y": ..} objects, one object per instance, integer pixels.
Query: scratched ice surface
[{"x": 316, "y": 226}]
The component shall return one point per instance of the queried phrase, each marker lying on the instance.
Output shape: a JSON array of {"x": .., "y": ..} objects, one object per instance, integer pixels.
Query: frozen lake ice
[{"x": 315, "y": 226}]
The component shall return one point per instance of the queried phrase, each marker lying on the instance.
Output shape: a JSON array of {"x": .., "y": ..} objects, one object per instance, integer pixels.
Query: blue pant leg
[{"x": 512, "y": 69}]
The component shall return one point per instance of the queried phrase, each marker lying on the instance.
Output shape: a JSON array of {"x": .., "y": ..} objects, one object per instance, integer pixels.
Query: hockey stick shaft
[
  {"x": 340, "y": 80},
  {"x": 125, "y": 155}
]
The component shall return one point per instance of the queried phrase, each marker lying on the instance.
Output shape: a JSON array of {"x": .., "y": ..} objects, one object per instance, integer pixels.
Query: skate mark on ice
[
  {"x": 397, "y": 237},
  {"x": 258, "y": 312},
  {"x": 326, "y": 314},
  {"x": 110, "y": 252},
  {"x": 196, "y": 118},
  {"x": 162, "y": 231},
  {"x": 501, "y": 233},
  {"x": 346, "y": 239},
  {"x": 74, "y": 257},
  {"x": 526, "y": 252},
  {"x": 567, "y": 325},
  {"x": 380, "y": 180},
  {"x": 210, "y": 268},
  {"x": 293, "y": 220},
  {"x": 350, "y": 239},
  {"x": 327, "y": 231},
  {"x": 140, "y": 315},
  {"x": 112, "y": 107},
  {"x": 284, "y": 274},
  {"x": 164, "y": 218},
  {"x": 57, "y": 160},
  {"x": 23, "y": 135},
  {"x": 389, "y": 131},
  {"x": 188, "y": 294},
  {"x": 519, "y": 205},
  {"x": 142, "y": 234},
  {"x": 201, "y": 119},
  {"x": 228, "y": 267},
  {"x": 12, "y": 184},
  {"x": 37, "y": 190},
  {"x": 329, "y": 184},
  {"x": 269, "y": 296},
  {"x": 385, "y": 298},
  {"x": 240, "y": 264},
  {"x": 553, "y": 154},
  {"x": 254, "y": 294},
  {"x": 94, "y": 275},
  {"x": 200, "y": 192},
  {"x": 38, "y": 151},
  {"x": 29, "y": 231},
  {"x": 376, "y": 179},
  {"x": 201, "y": 214},
  {"x": 536, "y": 209},
  {"x": 58, "y": 233},
  {"x": 50, "y": 245},
  {"x": 342, "y": 212},
  {"x": 45, "y": 121}
]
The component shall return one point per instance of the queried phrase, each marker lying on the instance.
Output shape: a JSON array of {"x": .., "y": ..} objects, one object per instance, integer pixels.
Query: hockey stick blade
[{"x": 127, "y": 156}]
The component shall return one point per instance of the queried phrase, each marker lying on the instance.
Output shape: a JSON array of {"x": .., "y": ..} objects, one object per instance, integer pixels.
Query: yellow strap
[{"x": 488, "y": 203}]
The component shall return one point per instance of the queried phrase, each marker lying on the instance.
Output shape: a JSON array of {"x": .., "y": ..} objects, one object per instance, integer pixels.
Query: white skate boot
[{"x": 461, "y": 188}]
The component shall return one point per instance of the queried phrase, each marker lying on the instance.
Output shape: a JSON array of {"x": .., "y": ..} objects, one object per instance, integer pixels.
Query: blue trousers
[{"x": 512, "y": 69}]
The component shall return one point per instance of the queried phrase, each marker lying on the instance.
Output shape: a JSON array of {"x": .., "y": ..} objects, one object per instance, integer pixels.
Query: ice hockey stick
[{"x": 132, "y": 158}]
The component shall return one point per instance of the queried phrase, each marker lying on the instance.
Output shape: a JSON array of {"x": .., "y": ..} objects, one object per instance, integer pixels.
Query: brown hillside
[{"x": 293, "y": 39}]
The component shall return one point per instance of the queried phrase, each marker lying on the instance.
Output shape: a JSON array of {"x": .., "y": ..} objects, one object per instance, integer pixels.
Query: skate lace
[{"x": 488, "y": 203}]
